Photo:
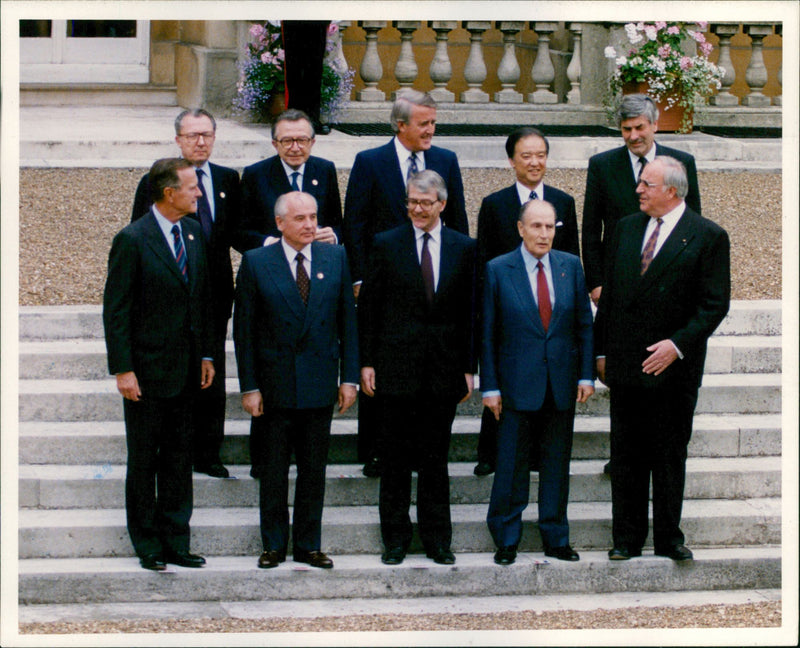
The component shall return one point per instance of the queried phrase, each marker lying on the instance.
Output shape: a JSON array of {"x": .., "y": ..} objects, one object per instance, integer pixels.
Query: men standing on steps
[
  {"x": 376, "y": 202},
  {"x": 158, "y": 332},
  {"x": 292, "y": 169},
  {"x": 217, "y": 213},
  {"x": 294, "y": 327},
  {"x": 536, "y": 363},
  {"x": 667, "y": 288},
  {"x": 416, "y": 315},
  {"x": 527, "y": 149}
]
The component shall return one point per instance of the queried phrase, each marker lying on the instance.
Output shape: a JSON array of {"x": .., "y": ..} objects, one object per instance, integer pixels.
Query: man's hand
[
  {"x": 494, "y": 403},
  {"x": 253, "y": 403},
  {"x": 584, "y": 392},
  {"x": 595, "y": 295},
  {"x": 470, "y": 386},
  {"x": 663, "y": 354},
  {"x": 128, "y": 386},
  {"x": 347, "y": 396},
  {"x": 325, "y": 235},
  {"x": 207, "y": 374},
  {"x": 368, "y": 380},
  {"x": 600, "y": 363}
]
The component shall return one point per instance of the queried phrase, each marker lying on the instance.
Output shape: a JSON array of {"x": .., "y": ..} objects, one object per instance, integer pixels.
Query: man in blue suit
[
  {"x": 536, "y": 362},
  {"x": 294, "y": 328},
  {"x": 376, "y": 202}
]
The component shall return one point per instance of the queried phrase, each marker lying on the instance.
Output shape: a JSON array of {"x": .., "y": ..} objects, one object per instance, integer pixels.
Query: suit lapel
[
  {"x": 321, "y": 279},
  {"x": 396, "y": 183},
  {"x": 522, "y": 286},
  {"x": 281, "y": 275},
  {"x": 558, "y": 270},
  {"x": 675, "y": 244},
  {"x": 192, "y": 255},
  {"x": 157, "y": 242},
  {"x": 276, "y": 177}
]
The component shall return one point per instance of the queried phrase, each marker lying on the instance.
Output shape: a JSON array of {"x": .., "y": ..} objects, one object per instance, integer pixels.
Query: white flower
[
  {"x": 610, "y": 52},
  {"x": 652, "y": 32},
  {"x": 621, "y": 61}
]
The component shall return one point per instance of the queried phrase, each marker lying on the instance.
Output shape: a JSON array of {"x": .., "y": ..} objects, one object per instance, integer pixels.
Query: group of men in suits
[{"x": 429, "y": 302}]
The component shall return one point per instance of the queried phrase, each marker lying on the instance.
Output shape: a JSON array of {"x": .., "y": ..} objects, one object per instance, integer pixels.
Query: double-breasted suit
[
  {"x": 158, "y": 325},
  {"x": 537, "y": 373}
]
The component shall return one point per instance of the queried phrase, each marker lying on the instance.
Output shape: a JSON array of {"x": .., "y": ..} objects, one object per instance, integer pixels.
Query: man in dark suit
[
  {"x": 536, "y": 362},
  {"x": 218, "y": 213},
  {"x": 157, "y": 325},
  {"x": 376, "y": 202},
  {"x": 292, "y": 169},
  {"x": 498, "y": 233},
  {"x": 667, "y": 288},
  {"x": 295, "y": 335},
  {"x": 415, "y": 315}
]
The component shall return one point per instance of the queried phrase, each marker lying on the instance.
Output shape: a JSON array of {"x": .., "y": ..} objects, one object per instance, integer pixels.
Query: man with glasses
[
  {"x": 218, "y": 213},
  {"x": 292, "y": 169}
]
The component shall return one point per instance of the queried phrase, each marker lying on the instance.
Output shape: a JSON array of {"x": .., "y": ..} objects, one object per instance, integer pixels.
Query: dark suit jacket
[
  {"x": 262, "y": 184},
  {"x": 412, "y": 346},
  {"x": 156, "y": 323},
  {"x": 293, "y": 353},
  {"x": 376, "y": 198},
  {"x": 611, "y": 195},
  {"x": 226, "y": 216},
  {"x": 683, "y": 296},
  {"x": 518, "y": 357}
]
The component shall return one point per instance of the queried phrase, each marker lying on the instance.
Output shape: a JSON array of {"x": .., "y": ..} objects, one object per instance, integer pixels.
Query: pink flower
[
  {"x": 674, "y": 30},
  {"x": 685, "y": 63},
  {"x": 664, "y": 51},
  {"x": 332, "y": 28},
  {"x": 699, "y": 37},
  {"x": 660, "y": 24},
  {"x": 256, "y": 31},
  {"x": 703, "y": 25},
  {"x": 651, "y": 32},
  {"x": 267, "y": 58},
  {"x": 706, "y": 48},
  {"x": 280, "y": 55}
]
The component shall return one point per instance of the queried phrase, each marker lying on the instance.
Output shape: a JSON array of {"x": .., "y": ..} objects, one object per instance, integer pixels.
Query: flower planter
[{"x": 670, "y": 118}]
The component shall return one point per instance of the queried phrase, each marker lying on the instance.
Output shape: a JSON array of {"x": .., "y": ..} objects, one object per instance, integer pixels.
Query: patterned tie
[
  {"x": 203, "y": 206},
  {"x": 642, "y": 163},
  {"x": 649, "y": 250},
  {"x": 533, "y": 196},
  {"x": 543, "y": 293},
  {"x": 303, "y": 283},
  {"x": 412, "y": 167},
  {"x": 426, "y": 264},
  {"x": 180, "y": 253},
  {"x": 295, "y": 186}
]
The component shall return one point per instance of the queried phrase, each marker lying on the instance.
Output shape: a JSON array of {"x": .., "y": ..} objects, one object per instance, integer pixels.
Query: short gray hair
[
  {"x": 406, "y": 100},
  {"x": 634, "y": 105},
  {"x": 194, "y": 112},
  {"x": 282, "y": 203},
  {"x": 674, "y": 175},
  {"x": 292, "y": 115},
  {"x": 426, "y": 181}
]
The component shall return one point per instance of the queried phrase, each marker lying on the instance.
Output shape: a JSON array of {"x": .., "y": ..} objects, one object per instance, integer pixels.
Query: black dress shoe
[
  {"x": 563, "y": 553},
  {"x": 270, "y": 558},
  {"x": 623, "y": 553},
  {"x": 393, "y": 556},
  {"x": 372, "y": 468},
  {"x": 153, "y": 562},
  {"x": 313, "y": 558},
  {"x": 607, "y": 468},
  {"x": 678, "y": 553},
  {"x": 505, "y": 555},
  {"x": 442, "y": 556},
  {"x": 323, "y": 129},
  {"x": 483, "y": 468},
  {"x": 184, "y": 559},
  {"x": 213, "y": 470}
]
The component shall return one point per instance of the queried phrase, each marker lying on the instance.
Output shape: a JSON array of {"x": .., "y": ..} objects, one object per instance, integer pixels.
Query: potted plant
[{"x": 656, "y": 62}]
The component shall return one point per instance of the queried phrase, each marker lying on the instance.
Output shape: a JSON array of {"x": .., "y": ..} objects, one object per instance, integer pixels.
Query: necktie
[
  {"x": 426, "y": 264},
  {"x": 180, "y": 253},
  {"x": 642, "y": 163},
  {"x": 203, "y": 206},
  {"x": 295, "y": 186},
  {"x": 543, "y": 293},
  {"x": 303, "y": 283},
  {"x": 533, "y": 196},
  {"x": 412, "y": 167},
  {"x": 649, "y": 249}
]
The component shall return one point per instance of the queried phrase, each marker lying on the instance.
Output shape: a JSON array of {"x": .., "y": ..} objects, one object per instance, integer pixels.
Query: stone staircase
[{"x": 74, "y": 546}]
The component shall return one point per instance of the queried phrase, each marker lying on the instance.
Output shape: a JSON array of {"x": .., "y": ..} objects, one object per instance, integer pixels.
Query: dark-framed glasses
[
  {"x": 193, "y": 137},
  {"x": 286, "y": 142},
  {"x": 425, "y": 204}
]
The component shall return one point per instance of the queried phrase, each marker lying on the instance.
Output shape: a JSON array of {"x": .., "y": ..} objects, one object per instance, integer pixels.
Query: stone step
[
  {"x": 86, "y": 486},
  {"x": 97, "y": 94},
  {"x": 85, "y": 359},
  {"x": 98, "y": 400},
  {"x": 88, "y": 533},
  {"x": 102, "y": 443},
  {"x": 759, "y": 317},
  {"x": 236, "y": 578}
]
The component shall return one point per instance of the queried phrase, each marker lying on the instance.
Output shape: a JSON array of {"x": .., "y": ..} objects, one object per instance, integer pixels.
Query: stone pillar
[
  {"x": 335, "y": 58},
  {"x": 509, "y": 72},
  {"x": 543, "y": 73},
  {"x": 441, "y": 70},
  {"x": 725, "y": 31},
  {"x": 778, "y": 100},
  {"x": 574, "y": 67},
  {"x": 756, "y": 74},
  {"x": 371, "y": 69},
  {"x": 405, "y": 70},
  {"x": 475, "y": 68}
]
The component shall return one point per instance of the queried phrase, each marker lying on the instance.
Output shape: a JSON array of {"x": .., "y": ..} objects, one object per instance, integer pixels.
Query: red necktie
[{"x": 543, "y": 293}]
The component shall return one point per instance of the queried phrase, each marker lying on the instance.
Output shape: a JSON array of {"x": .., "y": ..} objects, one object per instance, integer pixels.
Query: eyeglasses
[
  {"x": 193, "y": 137},
  {"x": 286, "y": 142},
  {"x": 425, "y": 204},
  {"x": 649, "y": 185}
]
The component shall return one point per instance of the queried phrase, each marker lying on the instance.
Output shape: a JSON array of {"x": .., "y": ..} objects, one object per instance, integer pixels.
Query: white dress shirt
[
  {"x": 636, "y": 165},
  {"x": 291, "y": 257},
  {"x": 525, "y": 193},
  {"x": 289, "y": 171},
  {"x": 404, "y": 158},
  {"x": 669, "y": 221}
]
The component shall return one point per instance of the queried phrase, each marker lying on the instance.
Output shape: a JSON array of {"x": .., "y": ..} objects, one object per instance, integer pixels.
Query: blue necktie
[
  {"x": 295, "y": 186},
  {"x": 203, "y": 207},
  {"x": 180, "y": 253},
  {"x": 533, "y": 196},
  {"x": 412, "y": 167}
]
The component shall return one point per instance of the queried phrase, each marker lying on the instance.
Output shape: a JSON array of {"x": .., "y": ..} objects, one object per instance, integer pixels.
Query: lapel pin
[
  {"x": 191, "y": 237},
  {"x": 314, "y": 182},
  {"x": 320, "y": 275},
  {"x": 563, "y": 274},
  {"x": 221, "y": 194}
]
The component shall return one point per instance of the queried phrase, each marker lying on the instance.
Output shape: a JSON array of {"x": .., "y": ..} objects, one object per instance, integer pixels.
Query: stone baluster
[
  {"x": 475, "y": 68},
  {"x": 509, "y": 71},
  {"x": 756, "y": 74},
  {"x": 543, "y": 73},
  {"x": 778, "y": 99},
  {"x": 725, "y": 31},
  {"x": 405, "y": 70},
  {"x": 441, "y": 69},
  {"x": 371, "y": 69},
  {"x": 335, "y": 58},
  {"x": 574, "y": 67}
]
